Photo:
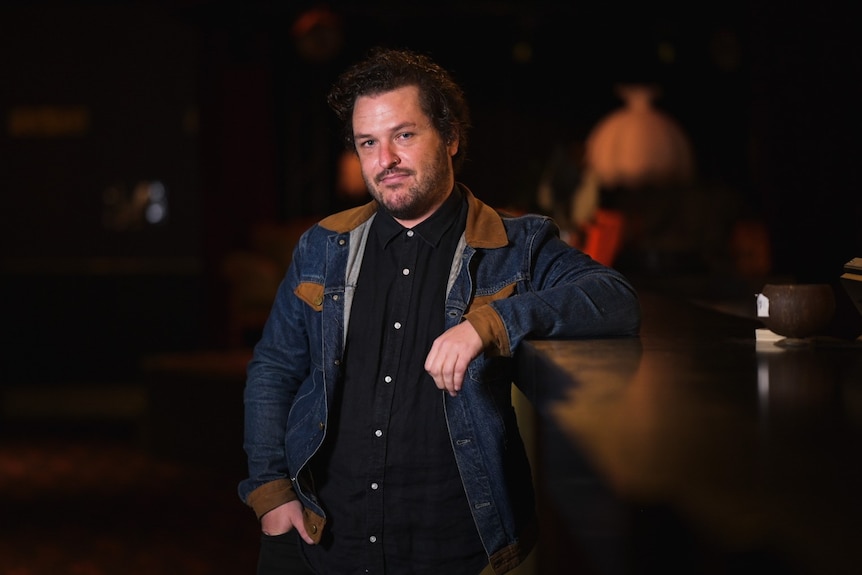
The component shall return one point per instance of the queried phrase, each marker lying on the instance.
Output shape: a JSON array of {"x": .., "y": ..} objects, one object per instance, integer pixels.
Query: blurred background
[{"x": 158, "y": 160}]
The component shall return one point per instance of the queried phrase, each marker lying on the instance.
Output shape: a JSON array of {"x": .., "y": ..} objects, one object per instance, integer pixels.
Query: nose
[{"x": 388, "y": 158}]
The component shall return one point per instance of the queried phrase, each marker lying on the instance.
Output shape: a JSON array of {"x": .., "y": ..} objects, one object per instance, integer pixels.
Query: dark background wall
[{"x": 218, "y": 103}]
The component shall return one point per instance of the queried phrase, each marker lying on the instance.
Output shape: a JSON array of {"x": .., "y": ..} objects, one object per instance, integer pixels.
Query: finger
[
  {"x": 434, "y": 366},
  {"x": 431, "y": 359},
  {"x": 300, "y": 528},
  {"x": 459, "y": 372},
  {"x": 450, "y": 376},
  {"x": 458, "y": 375}
]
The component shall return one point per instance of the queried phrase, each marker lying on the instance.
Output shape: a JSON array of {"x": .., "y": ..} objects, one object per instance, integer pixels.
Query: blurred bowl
[{"x": 796, "y": 311}]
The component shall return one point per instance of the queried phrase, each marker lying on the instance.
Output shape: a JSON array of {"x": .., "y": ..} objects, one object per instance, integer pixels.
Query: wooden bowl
[{"x": 796, "y": 311}]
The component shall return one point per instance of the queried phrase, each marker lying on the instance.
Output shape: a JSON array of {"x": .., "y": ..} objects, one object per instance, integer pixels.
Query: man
[{"x": 379, "y": 430}]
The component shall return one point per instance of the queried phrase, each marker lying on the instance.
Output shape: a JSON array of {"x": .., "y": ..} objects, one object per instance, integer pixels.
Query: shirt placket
[{"x": 400, "y": 294}]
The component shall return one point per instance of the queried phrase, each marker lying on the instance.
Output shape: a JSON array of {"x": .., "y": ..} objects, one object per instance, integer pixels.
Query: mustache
[{"x": 392, "y": 171}]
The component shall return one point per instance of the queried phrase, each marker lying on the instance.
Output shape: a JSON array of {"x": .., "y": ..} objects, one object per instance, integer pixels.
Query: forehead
[{"x": 387, "y": 110}]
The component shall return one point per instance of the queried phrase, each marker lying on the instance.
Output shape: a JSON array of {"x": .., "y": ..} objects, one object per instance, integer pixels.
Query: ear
[{"x": 452, "y": 144}]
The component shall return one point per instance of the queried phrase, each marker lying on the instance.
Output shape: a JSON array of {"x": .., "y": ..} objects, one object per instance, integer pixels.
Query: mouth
[{"x": 392, "y": 176}]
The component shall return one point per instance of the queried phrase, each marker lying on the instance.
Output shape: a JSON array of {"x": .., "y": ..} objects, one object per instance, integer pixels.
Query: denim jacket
[{"x": 511, "y": 277}]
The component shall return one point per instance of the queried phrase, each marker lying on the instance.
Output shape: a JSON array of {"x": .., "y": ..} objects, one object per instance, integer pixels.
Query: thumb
[{"x": 303, "y": 532}]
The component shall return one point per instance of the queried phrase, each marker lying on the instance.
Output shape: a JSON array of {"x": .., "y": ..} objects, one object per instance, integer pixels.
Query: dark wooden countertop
[{"x": 697, "y": 447}]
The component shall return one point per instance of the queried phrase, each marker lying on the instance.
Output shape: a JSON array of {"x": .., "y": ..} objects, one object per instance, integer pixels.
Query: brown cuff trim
[
  {"x": 270, "y": 495},
  {"x": 489, "y": 325}
]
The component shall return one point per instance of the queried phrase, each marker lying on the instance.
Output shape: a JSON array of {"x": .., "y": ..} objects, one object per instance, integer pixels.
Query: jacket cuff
[
  {"x": 270, "y": 495},
  {"x": 489, "y": 325}
]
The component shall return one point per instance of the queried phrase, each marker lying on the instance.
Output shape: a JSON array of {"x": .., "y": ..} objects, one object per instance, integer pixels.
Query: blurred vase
[{"x": 638, "y": 146}]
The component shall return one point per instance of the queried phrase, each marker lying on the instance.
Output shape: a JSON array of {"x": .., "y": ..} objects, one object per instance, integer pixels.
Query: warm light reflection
[{"x": 48, "y": 121}]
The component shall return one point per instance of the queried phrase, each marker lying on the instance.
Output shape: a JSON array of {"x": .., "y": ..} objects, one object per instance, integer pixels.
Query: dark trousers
[{"x": 280, "y": 555}]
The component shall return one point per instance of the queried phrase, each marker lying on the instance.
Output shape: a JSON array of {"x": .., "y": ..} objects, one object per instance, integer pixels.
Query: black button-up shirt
[{"x": 386, "y": 474}]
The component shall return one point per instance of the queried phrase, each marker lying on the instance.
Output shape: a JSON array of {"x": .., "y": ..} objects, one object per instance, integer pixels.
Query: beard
[{"x": 422, "y": 196}]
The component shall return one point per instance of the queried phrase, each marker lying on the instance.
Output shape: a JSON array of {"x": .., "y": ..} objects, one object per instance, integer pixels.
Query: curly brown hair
[{"x": 386, "y": 69}]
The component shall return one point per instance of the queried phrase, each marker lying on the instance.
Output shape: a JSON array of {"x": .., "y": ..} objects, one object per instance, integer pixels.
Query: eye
[
  {"x": 405, "y": 136},
  {"x": 366, "y": 143}
]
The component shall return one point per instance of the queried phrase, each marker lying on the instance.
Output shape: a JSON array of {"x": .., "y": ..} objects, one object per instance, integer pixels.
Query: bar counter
[{"x": 695, "y": 448}]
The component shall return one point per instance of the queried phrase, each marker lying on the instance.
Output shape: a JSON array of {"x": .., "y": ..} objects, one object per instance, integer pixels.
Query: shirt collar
[{"x": 431, "y": 230}]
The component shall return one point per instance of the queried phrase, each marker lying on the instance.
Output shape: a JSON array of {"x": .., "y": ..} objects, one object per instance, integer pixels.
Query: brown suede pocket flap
[
  {"x": 310, "y": 293},
  {"x": 479, "y": 301}
]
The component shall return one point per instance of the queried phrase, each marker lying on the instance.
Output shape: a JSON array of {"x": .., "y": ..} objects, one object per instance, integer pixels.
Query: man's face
[{"x": 405, "y": 163}]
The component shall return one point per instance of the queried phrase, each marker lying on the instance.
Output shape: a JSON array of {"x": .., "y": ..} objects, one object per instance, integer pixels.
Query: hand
[
  {"x": 450, "y": 355},
  {"x": 284, "y": 518}
]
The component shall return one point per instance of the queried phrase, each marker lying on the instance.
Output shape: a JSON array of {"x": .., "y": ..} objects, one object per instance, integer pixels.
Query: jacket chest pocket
[{"x": 503, "y": 293}]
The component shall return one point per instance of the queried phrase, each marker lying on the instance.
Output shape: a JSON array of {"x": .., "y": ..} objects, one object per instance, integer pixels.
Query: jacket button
[
  {"x": 318, "y": 300},
  {"x": 314, "y": 528},
  {"x": 321, "y": 425}
]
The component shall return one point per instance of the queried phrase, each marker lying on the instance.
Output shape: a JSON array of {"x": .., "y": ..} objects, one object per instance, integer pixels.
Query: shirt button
[
  {"x": 373, "y": 539},
  {"x": 388, "y": 379},
  {"x": 397, "y": 325},
  {"x": 374, "y": 486},
  {"x": 405, "y": 272},
  {"x": 378, "y": 433},
  {"x": 409, "y": 233}
]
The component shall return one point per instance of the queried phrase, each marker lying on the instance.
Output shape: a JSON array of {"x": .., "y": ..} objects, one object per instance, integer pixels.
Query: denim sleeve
[
  {"x": 278, "y": 367},
  {"x": 567, "y": 294}
]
